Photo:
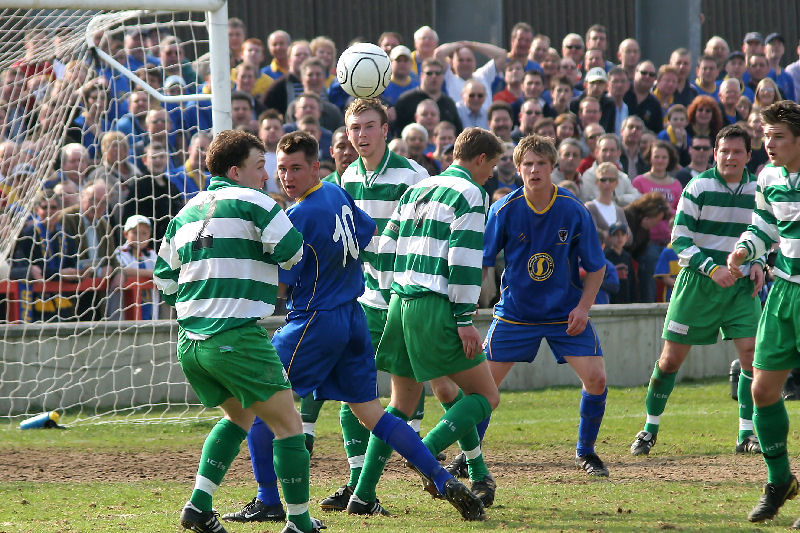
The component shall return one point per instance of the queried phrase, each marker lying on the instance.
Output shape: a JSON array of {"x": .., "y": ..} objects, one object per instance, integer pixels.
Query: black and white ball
[{"x": 364, "y": 70}]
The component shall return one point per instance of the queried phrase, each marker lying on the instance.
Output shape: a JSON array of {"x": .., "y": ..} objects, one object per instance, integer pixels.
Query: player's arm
[
  {"x": 387, "y": 247},
  {"x": 683, "y": 238},
  {"x": 168, "y": 266},
  {"x": 594, "y": 262},
  {"x": 279, "y": 238},
  {"x": 579, "y": 316},
  {"x": 761, "y": 234}
]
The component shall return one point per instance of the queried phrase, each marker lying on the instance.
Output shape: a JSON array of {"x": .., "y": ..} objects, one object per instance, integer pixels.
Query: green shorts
[
  {"x": 699, "y": 309},
  {"x": 376, "y": 321},
  {"x": 239, "y": 363},
  {"x": 421, "y": 340},
  {"x": 778, "y": 339}
]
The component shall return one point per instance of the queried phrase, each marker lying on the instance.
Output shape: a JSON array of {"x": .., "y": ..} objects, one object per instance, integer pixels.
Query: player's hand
[
  {"x": 470, "y": 340},
  {"x": 757, "y": 277},
  {"x": 576, "y": 323},
  {"x": 723, "y": 277},
  {"x": 735, "y": 260}
]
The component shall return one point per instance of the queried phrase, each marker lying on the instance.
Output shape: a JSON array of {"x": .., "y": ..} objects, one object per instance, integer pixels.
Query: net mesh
[{"x": 83, "y": 150}]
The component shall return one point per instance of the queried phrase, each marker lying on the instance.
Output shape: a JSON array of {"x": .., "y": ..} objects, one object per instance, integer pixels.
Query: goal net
[{"x": 104, "y": 119}]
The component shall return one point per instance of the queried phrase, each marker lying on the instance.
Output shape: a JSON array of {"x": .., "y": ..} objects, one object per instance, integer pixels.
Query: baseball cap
[
  {"x": 398, "y": 51},
  {"x": 596, "y": 74},
  {"x": 753, "y": 36},
  {"x": 135, "y": 220},
  {"x": 735, "y": 54},
  {"x": 773, "y": 36},
  {"x": 617, "y": 226},
  {"x": 174, "y": 80}
]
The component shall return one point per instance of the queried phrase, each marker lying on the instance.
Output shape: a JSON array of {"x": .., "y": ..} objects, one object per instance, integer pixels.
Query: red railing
[{"x": 131, "y": 290}]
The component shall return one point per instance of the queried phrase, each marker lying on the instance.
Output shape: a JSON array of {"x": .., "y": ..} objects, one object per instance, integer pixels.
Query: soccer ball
[{"x": 364, "y": 70}]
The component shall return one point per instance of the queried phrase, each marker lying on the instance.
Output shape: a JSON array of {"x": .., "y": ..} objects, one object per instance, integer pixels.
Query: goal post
[{"x": 80, "y": 330}]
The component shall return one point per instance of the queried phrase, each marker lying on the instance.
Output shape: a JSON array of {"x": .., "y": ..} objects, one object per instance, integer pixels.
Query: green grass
[{"x": 531, "y": 440}]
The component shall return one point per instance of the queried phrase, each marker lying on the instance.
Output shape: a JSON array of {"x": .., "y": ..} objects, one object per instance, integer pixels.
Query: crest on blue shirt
[
  {"x": 562, "y": 234},
  {"x": 540, "y": 266}
]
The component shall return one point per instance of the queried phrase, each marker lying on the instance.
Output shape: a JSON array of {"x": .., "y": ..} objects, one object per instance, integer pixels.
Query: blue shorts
[
  {"x": 518, "y": 343},
  {"x": 329, "y": 353}
]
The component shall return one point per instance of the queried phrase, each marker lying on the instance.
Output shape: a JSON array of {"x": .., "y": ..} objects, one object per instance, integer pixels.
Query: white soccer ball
[{"x": 364, "y": 70}]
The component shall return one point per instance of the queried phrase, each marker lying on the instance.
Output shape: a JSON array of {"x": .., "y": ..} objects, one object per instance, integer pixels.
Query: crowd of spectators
[{"x": 630, "y": 135}]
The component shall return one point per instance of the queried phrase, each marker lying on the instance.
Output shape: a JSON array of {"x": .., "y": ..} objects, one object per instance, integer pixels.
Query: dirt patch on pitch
[{"x": 72, "y": 466}]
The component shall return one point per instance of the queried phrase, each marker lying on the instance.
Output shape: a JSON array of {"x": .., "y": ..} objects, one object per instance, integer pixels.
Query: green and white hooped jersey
[
  {"x": 711, "y": 216},
  {"x": 436, "y": 235},
  {"x": 776, "y": 219},
  {"x": 378, "y": 193},
  {"x": 218, "y": 262}
]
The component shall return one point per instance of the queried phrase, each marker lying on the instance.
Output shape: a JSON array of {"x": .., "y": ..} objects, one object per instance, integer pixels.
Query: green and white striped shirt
[
  {"x": 776, "y": 219},
  {"x": 436, "y": 235},
  {"x": 377, "y": 193},
  {"x": 218, "y": 263},
  {"x": 711, "y": 216}
]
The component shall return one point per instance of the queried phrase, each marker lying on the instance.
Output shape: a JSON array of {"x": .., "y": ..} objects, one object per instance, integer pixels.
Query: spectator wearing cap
[
  {"x": 460, "y": 56},
  {"x": 753, "y": 43},
  {"x": 137, "y": 259},
  {"x": 504, "y": 173},
  {"x": 615, "y": 253},
  {"x": 403, "y": 79},
  {"x": 793, "y": 70},
  {"x": 641, "y": 101},
  {"x": 595, "y": 84},
  {"x": 736, "y": 65},
  {"x": 774, "y": 48}
]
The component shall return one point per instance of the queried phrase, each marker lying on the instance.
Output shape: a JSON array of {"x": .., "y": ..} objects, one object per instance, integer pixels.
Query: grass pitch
[{"x": 126, "y": 477}]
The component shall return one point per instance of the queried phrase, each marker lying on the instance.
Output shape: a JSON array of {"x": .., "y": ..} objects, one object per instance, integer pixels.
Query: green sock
[
  {"x": 309, "y": 412},
  {"x": 661, "y": 385},
  {"x": 457, "y": 422},
  {"x": 290, "y": 459},
  {"x": 772, "y": 427},
  {"x": 745, "y": 405},
  {"x": 378, "y": 452},
  {"x": 416, "y": 419},
  {"x": 219, "y": 451},
  {"x": 356, "y": 437},
  {"x": 470, "y": 444}
]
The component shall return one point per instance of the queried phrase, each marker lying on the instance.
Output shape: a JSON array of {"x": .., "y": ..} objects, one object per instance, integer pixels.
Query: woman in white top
[{"x": 603, "y": 209}]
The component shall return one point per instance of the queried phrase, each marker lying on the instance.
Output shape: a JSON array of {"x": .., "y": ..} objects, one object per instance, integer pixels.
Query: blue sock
[
  {"x": 406, "y": 442},
  {"x": 593, "y": 406},
  {"x": 482, "y": 426},
  {"x": 259, "y": 440}
]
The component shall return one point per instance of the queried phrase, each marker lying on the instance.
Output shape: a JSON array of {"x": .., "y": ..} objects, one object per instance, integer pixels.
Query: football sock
[
  {"x": 259, "y": 440},
  {"x": 309, "y": 412},
  {"x": 292, "y": 468},
  {"x": 219, "y": 451},
  {"x": 391, "y": 430},
  {"x": 745, "y": 405},
  {"x": 470, "y": 444},
  {"x": 457, "y": 421},
  {"x": 661, "y": 385},
  {"x": 772, "y": 427},
  {"x": 377, "y": 453},
  {"x": 416, "y": 419},
  {"x": 482, "y": 426},
  {"x": 356, "y": 437},
  {"x": 593, "y": 406}
]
